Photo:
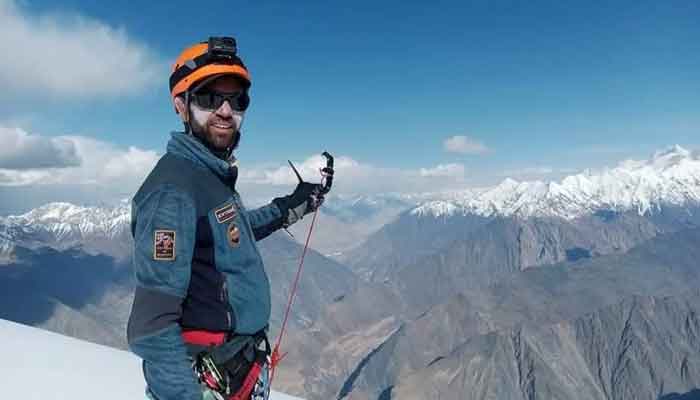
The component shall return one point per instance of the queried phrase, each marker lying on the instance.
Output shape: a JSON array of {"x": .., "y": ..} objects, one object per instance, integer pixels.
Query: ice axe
[{"x": 326, "y": 172}]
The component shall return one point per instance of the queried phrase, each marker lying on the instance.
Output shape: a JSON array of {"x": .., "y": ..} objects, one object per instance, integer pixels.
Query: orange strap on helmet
[{"x": 215, "y": 57}]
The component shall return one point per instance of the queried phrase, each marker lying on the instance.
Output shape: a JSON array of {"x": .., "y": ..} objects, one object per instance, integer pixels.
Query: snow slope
[{"x": 41, "y": 365}]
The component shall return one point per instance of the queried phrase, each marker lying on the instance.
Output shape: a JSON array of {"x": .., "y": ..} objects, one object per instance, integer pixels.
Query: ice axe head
[{"x": 327, "y": 172}]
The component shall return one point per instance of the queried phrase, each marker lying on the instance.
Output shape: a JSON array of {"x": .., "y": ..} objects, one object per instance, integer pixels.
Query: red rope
[{"x": 276, "y": 356}]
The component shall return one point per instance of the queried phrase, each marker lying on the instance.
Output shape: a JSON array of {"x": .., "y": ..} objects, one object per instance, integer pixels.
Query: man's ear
[{"x": 181, "y": 108}]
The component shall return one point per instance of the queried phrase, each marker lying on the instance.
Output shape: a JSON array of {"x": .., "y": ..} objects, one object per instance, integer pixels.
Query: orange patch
[{"x": 234, "y": 235}]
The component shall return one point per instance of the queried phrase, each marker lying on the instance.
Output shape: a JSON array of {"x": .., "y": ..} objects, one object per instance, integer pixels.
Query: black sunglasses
[{"x": 212, "y": 100}]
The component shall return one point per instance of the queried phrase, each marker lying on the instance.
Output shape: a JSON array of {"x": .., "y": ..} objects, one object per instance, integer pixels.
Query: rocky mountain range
[
  {"x": 514, "y": 226},
  {"x": 530, "y": 300},
  {"x": 70, "y": 268},
  {"x": 472, "y": 274},
  {"x": 639, "y": 348}
]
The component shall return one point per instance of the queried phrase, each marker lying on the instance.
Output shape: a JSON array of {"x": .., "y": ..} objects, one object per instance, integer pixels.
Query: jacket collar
[{"x": 187, "y": 146}]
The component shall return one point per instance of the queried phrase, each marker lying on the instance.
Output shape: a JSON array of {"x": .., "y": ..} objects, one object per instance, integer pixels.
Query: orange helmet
[{"x": 214, "y": 57}]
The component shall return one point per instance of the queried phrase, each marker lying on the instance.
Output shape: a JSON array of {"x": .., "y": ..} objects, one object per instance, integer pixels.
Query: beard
[{"x": 219, "y": 141}]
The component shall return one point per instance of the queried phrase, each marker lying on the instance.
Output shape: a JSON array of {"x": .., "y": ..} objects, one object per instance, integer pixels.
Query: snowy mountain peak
[
  {"x": 87, "y": 219},
  {"x": 671, "y": 177},
  {"x": 509, "y": 183},
  {"x": 671, "y": 156},
  {"x": 64, "y": 225}
]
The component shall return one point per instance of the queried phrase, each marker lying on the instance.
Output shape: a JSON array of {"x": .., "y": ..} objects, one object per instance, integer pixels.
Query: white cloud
[
  {"x": 106, "y": 164},
  {"x": 602, "y": 149},
  {"x": 351, "y": 177},
  {"x": 464, "y": 145},
  {"x": 101, "y": 163},
  {"x": 71, "y": 56},
  {"x": 543, "y": 172},
  {"x": 445, "y": 170},
  {"x": 21, "y": 150},
  {"x": 120, "y": 171},
  {"x": 131, "y": 163},
  {"x": 308, "y": 169}
]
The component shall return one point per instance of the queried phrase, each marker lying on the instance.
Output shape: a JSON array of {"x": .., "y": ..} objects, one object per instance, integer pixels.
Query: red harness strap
[
  {"x": 204, "y": 338},
  {"x": 249, "y": 383}
]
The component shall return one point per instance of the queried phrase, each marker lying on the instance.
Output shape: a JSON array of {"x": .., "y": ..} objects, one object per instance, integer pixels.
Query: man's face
[{"x": 219, "y": 126}]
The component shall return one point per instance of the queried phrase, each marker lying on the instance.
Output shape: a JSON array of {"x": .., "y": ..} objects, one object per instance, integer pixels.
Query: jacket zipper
[{"x": 224, "y": 299}]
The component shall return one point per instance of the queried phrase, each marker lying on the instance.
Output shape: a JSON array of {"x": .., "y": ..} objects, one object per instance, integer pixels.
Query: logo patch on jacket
[
  {"x": 225, "y": 213},
  {"x": 164, "y": 245},
  {"x": 234, "y": 235}
]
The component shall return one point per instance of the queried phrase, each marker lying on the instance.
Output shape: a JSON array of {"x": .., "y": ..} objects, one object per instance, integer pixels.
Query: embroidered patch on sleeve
[
  {"x": 225, "y": 213},
  {"x": 164, "y": 245}
]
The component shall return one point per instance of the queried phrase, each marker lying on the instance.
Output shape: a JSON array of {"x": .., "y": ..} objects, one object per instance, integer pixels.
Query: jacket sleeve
[
  {"x": 265, "y": 220},
  {"x": 162, "y": 280}
]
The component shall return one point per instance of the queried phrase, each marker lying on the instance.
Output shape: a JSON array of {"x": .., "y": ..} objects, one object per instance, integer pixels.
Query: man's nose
[{"x": 225, "y": 111}]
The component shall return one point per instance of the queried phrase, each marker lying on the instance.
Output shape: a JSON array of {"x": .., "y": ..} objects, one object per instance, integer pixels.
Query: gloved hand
[{"x": 307, "y": 198}]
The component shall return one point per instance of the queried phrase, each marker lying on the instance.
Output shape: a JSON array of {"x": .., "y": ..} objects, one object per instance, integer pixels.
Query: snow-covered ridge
[
  {"x": 64, "y": 218},
  {"x": 63, "y": 225},
  {"x": 669, "y": 178}
]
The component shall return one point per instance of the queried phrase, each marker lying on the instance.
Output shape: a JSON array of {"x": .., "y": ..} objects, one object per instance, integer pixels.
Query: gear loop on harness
[{"x": 234, "y": 368}]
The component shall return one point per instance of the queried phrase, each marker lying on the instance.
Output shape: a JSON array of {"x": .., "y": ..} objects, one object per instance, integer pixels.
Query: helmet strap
[{"x": 188, "y": 127}]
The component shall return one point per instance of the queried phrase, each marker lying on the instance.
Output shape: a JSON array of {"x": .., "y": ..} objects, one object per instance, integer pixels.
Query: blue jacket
[{"x": 196, "y": 263}]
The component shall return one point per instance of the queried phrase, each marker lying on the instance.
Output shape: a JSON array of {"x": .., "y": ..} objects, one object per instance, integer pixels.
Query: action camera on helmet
[{"x": 222, "y": 48}]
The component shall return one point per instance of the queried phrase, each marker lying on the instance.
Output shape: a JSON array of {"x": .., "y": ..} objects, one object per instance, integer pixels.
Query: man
[{"x": 200, "y": 278}]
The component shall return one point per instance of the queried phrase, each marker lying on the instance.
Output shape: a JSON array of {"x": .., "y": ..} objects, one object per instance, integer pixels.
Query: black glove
[{"x": 307, "y": 198}]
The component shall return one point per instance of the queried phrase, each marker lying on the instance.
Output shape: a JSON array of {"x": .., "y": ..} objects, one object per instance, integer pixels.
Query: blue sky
[{"x": 536, "y": 84}]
